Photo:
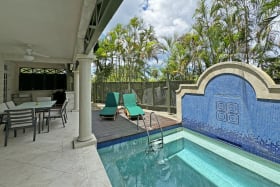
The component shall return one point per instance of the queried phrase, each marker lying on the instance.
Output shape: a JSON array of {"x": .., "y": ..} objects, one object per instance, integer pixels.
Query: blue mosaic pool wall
[{"x": 230, "y": 111}]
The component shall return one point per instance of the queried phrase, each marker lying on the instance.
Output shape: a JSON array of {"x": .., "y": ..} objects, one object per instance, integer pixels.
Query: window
[{"x": 41, "y": 79}]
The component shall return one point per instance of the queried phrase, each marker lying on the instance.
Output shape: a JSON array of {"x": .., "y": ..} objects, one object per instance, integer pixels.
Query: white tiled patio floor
[{"x": 50, "y": 160}]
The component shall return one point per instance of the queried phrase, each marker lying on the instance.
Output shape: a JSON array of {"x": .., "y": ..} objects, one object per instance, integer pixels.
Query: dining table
[
  {"x": 41, "y": 107},
  {"x": 36, "y": 105}
]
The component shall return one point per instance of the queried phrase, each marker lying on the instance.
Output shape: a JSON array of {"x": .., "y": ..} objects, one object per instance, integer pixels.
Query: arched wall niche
[{"x": 237, "y": 103}]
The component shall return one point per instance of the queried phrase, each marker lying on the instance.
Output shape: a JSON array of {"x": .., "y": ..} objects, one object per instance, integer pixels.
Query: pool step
[
  {"x": 209, "y": 171},
  {"x": 156, "y": 144},
  {"x": 173, "y": 137}
]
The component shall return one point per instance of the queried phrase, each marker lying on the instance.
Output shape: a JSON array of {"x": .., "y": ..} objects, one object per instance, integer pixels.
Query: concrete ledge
[{"x": 79, "y": 144}]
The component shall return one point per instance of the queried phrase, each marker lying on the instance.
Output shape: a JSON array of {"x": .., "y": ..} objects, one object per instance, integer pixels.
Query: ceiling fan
[{"x": 30, "y": 54}]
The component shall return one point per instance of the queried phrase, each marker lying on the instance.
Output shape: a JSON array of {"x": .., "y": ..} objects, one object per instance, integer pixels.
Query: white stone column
[
  {"x": 76, "y": 89},
  {"x": 85, "y": 137}
]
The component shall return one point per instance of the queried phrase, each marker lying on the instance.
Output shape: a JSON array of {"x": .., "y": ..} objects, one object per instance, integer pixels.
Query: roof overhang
[{"x": 56, "y": 31}]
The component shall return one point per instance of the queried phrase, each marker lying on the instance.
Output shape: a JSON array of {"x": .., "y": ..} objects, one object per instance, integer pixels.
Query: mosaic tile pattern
[{"x": 229, "y": 111}]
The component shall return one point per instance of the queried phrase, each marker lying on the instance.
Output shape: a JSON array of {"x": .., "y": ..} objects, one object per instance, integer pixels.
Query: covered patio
[{"x": 61, "y": 35}]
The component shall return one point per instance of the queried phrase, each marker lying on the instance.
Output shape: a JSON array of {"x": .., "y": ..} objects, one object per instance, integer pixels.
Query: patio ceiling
[{"x": 56, "y": 29}]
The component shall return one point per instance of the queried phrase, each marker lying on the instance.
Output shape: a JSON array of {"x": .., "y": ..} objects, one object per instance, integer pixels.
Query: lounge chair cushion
[
  {"x": 111, "y": 105},
  {"x": 132, "y": 109},
  {"x": 108, "y": 111}
]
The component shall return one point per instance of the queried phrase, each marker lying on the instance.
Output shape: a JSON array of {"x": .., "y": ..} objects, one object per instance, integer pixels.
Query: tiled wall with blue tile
[{"x": 230, "y": 111}]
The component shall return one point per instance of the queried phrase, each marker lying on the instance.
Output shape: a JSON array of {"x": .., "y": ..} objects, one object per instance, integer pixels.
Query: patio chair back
[
  {"x": 3, "y": 117},
  {"x": 132, "y": 110},
  {"x": 20, "y": 118},
  {"x": 111, "y": 106},
  {"x": 112, "y": 99},
  {"x": 64, "y": 107},
  {"x": 129, "y": 99},
  {"x": 3, "y": 107},
  {"x": 57, "y": 112}
]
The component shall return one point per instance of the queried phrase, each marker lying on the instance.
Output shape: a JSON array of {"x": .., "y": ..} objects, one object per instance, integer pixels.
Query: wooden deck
[{"x": 106, "y": 129}]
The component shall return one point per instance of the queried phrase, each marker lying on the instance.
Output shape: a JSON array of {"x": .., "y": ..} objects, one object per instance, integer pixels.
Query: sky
[{"x": 166, "y": 16}]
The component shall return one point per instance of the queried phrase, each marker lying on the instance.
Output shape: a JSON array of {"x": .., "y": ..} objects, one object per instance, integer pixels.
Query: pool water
[{"x": 180, "y": 163}]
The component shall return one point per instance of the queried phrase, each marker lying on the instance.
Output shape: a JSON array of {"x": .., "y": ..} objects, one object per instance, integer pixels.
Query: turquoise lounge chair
[
  {"x": 111, "y": 106},
  {"x": 132, "y": 110}
]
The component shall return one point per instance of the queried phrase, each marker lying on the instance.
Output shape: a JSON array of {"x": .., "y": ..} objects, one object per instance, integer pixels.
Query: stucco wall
[{"x": 236, "y": 105}]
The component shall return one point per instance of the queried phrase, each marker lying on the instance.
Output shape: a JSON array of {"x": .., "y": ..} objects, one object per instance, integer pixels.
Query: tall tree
[
  {"x": 267, "y": 48},
  {"x": 127, "y": 49},
  {"x": 167, "y": 47}
]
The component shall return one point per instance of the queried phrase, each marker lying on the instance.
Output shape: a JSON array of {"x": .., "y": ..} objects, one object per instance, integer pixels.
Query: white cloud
[
  {"x": 166, "y": 16},
  {"x": 127, "y": 10},
  {"x": 169, "y": 17}
]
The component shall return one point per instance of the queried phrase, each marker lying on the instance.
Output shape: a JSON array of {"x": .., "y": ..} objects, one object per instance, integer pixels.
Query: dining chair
[
  {"x": 3, "y": 107},
  {"x": 3, "y": 116},
  {"x": 10, "y": 104},
  {"x": 42, "y": 112},
  {"x": 20, "y": 118},
  {"x": 57, "y": 112}
]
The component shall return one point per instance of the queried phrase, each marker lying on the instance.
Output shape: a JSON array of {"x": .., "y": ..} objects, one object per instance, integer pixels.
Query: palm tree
[
  {"x": 267, "y": 46},
  {"x": 209, "y": 36},
  {"x": 127, "y": 49},
  {"x": 167, "y": 47}
]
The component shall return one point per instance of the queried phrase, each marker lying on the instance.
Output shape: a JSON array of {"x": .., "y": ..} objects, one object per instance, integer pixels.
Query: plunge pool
[{"x": 186, "y": 159}]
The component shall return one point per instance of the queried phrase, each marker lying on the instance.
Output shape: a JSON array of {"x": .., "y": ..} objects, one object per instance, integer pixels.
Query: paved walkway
[{"x": 50, "y": 161}]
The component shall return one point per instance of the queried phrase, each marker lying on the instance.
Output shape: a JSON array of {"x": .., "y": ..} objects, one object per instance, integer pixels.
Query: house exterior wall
[{"x": 13, "y": 79}]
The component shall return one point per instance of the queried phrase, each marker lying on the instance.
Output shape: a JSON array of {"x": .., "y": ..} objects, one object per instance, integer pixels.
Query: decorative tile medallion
[{"x": 227, "y": 112}]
